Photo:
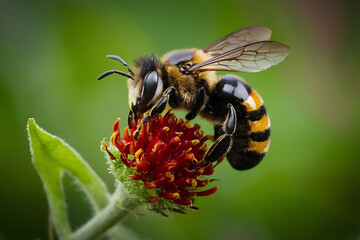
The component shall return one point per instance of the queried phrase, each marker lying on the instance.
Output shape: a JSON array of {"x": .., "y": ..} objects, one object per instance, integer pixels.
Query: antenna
[
  {"x": 107, "y": 73},
  {"x": 122, "y": 61}
]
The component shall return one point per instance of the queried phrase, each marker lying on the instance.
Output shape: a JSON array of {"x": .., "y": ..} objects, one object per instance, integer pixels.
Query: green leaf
[{"x": 51, "y": 156}]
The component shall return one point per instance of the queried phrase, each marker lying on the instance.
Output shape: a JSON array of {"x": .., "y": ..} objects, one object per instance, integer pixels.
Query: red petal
[
  {"x": 188, "y": 182},
  {"x": 186, "y": 193},
  {"x": 202, "y": 183},
  {"x": 207, "y": 192},
  {"x": 190, "y": 173},
  {"x": 182, "y": 201},
  {"x": 220, "y": 159},
  {"x": 208, "y": 170},
  {"x": 155, "y": 153},
  {"x": 142, "y": 142},
  {"x": 167, "y": 195},
  {"x": 159, "y": 181},
  {"x": 112, "y": 157},
  {"x": 117, "y": 141},
  {"x": 153, "y": 200},
  {"x": 149, "y": 185},
  {"x": 135, "y": 177},
  {"x": 125, "y": 160},
  {"x": 127, "y": 136},
  {"x": 116, "y": 125}
]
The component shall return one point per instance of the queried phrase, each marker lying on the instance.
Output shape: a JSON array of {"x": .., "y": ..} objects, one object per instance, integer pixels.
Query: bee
[{"x": 186, "y": 79}]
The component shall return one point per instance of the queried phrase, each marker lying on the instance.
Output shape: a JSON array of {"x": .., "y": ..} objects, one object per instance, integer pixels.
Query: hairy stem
[{"x": 121, "y": 205}]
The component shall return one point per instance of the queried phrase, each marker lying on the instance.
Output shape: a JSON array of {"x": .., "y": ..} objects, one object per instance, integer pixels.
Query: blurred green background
[{"x": 307, "y": 187}]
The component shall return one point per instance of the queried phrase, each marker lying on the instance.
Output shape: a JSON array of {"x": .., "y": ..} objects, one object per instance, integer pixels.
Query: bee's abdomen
[
  {"x": 259, "y": 123},
  {"x": 249, "y": 150}
]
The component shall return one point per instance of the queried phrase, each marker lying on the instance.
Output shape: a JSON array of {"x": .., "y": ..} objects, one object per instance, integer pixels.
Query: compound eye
[{"x": 151, "y": 89}]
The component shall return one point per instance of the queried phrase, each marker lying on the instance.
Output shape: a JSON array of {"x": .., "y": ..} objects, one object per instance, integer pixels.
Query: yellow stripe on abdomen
[
  {"x": 259, "y": 147},
  {"x": 260, "y": 125}
]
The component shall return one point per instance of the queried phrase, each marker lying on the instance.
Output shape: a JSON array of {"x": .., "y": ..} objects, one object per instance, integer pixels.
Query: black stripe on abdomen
[
  {"x": 260, "y": 136},
  {"x": 257, "y": 114}
]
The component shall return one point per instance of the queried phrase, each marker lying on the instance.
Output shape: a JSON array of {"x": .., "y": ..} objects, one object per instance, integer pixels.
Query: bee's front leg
[
  {"x": 158, "y": 108},
  {"x": 199, "y": 101}
]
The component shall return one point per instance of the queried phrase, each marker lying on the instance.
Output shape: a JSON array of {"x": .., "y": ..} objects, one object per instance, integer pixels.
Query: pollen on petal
[
  {"x": 176, "y": 139},
  {"x": 176, "y": 195},
  {"x": 189, "y": 156},
  {"x": 112, "y": 138},
  {"x": 138, "y": 153},
  {"x": 199, "y": 133},
  {"x": 194, "y": 142},
  {"x": 155, "y": 147},
  {"x": 203, "y": 147},
  {"x": 170, "y": 176},
  {"x": 172, "y": 119},
  {"x": 193, "y": 183}
]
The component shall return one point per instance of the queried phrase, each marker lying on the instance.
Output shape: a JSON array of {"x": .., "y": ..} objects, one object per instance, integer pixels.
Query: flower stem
[{"x": 121, "y": 205}]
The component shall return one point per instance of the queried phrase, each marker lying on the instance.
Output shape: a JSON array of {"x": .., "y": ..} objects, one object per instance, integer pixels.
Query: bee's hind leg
[
  {"x": 223, "y": 143},
  {"x": 199, "y": 101},
  {"x": 158, "y": 108}
]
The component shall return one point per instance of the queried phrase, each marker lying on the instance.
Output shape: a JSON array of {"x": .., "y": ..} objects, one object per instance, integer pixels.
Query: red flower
[{"x": 167, "y": 158}]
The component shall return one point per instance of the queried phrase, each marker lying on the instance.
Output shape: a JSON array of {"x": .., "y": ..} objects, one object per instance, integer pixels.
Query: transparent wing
[
  {"x": 237, "y": 39},
  {"x": 253, "y": 57}
]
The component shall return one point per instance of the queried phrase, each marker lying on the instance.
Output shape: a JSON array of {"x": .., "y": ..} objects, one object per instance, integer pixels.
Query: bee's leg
[
  {"x": 223, "y": 143},
  {"x": 218, "y": 131},
  {"x": 130, "y": 119},
  {"x": 199, "y": 101},
  {"x": 158, "y": 108}
]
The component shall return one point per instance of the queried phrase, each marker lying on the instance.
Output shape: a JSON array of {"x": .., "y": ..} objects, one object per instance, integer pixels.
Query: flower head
[{"x": 164, "y": 168}]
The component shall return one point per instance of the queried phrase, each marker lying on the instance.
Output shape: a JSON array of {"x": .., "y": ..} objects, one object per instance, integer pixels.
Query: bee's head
[
  {"x": 144, "y": 83},
  {"x": 146, "y": 86}
]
